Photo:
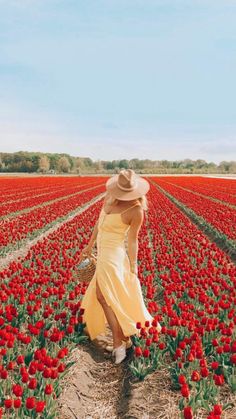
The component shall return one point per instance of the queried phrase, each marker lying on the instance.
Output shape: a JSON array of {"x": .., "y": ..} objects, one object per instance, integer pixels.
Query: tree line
[{"x": 36, "y": 162}]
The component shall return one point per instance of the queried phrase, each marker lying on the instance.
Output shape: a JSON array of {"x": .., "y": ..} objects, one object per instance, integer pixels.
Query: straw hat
[{"x": 127, "y": 185}]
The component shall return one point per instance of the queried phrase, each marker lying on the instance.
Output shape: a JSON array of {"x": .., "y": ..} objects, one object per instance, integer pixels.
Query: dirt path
[
  {"x": 96, "y": 388},
  {"x": 22, "y": 252}
]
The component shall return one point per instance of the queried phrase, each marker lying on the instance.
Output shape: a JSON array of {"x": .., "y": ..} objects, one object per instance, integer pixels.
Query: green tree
[
  {"x": 123, "y": 164},
  {"x": 63, "y": 164},
  {"x": 44, "y": 164}
]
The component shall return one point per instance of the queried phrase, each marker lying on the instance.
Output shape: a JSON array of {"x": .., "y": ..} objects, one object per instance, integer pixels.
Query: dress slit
[
  {"x": 96, "y": 282},
  {"x": 112, "y": 308}
]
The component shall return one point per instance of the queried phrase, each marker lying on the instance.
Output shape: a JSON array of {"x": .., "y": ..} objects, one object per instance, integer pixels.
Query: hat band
[{"x": 123, "y": 188}]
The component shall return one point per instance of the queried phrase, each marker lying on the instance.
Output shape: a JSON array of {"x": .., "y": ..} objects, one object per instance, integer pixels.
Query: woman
[{"x": 114, "y": 294}]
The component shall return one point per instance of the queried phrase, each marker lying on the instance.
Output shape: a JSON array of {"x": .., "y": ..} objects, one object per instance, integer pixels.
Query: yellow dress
[{"x": 120, "y": 287}]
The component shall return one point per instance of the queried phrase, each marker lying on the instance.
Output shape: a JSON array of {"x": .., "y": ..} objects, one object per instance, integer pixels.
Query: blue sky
[{"x": 114, "y": 79}]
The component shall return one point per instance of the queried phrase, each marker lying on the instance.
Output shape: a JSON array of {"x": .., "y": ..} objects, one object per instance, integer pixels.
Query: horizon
[
  {"x": 131, "y": 79},
  {"x": 97, "y": 160}
]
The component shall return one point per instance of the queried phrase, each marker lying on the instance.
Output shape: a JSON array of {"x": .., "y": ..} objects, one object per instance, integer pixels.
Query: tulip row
[
  {"x": 33, "y": 223},
  {"x": 15, "y": 188},
  {"x": 220, "y": 189},
  {"x": 23, "y": 190},
  {"x": 19, "y": 187},
  {"x": 32, "y": 198},
  {"x": 220, "y": 217},
  {"x": 41, "y": 319},
  {"x": 196, "y": 282}
]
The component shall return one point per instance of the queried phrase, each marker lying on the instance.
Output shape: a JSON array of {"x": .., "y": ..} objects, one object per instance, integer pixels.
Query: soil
[{"x": 96, "y": 388}]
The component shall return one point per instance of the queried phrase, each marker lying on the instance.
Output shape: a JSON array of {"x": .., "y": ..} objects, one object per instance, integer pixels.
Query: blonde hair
[{"x": 113, "y": 201}]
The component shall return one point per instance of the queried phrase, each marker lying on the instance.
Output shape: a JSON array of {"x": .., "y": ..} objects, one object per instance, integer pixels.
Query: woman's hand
[
  {"x": 134, "y": 268},
  {"x": 85, "y": 252}
]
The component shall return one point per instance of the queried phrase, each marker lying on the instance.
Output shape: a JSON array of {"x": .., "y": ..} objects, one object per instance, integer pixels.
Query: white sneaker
[
  {"x": 120, "y": 353},
  {"x": 128, "y": 343}
]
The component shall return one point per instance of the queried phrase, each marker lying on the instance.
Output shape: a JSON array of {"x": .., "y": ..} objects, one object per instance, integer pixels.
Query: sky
[{"x": 114, "y": 79}]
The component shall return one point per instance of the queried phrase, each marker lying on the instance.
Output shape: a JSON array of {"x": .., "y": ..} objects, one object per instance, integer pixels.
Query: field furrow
[
  {"x": 20, "y": 205},
  {"x": 32, "y": 223},
  {"x": 222, "y": 190},
  {"x": 219, "y": 216}
]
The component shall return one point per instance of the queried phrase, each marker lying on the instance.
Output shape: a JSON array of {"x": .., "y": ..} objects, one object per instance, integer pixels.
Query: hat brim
[{"x": 141, "y": 189}]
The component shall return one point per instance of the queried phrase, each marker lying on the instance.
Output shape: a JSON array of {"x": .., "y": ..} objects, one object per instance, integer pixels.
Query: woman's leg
[{"x": 117, "y": 332}]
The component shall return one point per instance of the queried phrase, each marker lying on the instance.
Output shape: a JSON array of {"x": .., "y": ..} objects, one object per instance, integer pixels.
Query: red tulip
[
  {"x": 233, "y": 359},
  {"x": 219, "y": 379},
  {"x": 188, "y": 412},
  {"x": 204, "y": 372},
  {"x": 195, "y": 376},
  {"x": 32, "y": 384},
  {"x": 8, "y": 403},
  {"x": 20, "y": 359},
  {"x": 215, "y": 365},
  {"x": 48, "y": 389},
  {"x": 146, "y": 353},
  {"x": 138, "y": 351},
  {"x": 30, "y": 403},
  {"x": 17, "y": 403},
  {"x": 40, "y": 405},
  {"x": 162, "y": 346},
  {"x": 185, "y": 390},
  {"x": 17, "y": 390},
  {"x": 182, "y": 379},
  {"x": 4, "y": 374},
  {"x": 217, "y": 409}
]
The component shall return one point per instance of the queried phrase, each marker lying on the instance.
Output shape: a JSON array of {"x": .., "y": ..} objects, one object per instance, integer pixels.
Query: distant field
[{"x": 226, "y": 176}]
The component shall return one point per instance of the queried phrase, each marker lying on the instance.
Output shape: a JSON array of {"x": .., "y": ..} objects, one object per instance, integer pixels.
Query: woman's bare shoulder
[
  {"x": 134, "y": 215},
  {"x": 138, "y": 210},
  {"x": 105, "y": 200},
  {"x": 106, "y": 204}
]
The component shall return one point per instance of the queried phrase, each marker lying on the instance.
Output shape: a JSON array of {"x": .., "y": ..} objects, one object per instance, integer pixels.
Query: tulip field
[
  {"x": 217, "y": 208},
  {"x": 29, "y": 212},
  {"x": 188, "y": 283}
]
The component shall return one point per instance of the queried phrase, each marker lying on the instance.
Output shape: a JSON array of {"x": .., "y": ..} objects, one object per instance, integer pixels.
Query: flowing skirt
[{"x": 122, "y": 292}]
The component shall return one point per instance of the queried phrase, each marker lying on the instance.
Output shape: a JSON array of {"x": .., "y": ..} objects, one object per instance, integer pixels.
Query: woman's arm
[
  {"x": 93, "y": 236},
  {"x": 87, "y": 250},
  {"x": 133, "y": 239},
  {"x": 95, "y": 230}
]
